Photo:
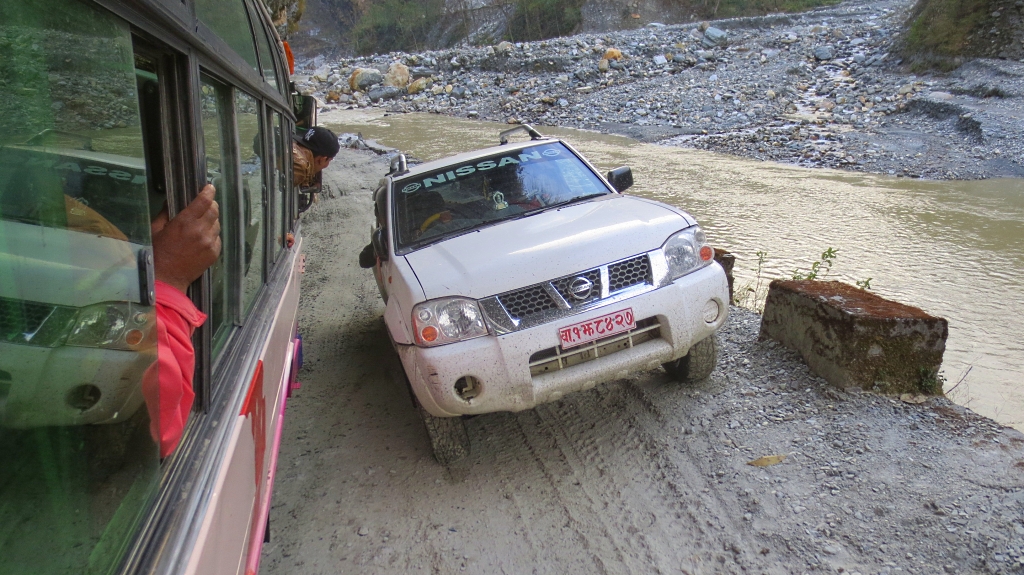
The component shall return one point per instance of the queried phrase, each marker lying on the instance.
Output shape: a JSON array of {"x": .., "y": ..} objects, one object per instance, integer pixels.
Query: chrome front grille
[
  {"x": 527, "y": 301},
  {"x": 571, "y": 294},
  {"x": 628, "y": 273}
]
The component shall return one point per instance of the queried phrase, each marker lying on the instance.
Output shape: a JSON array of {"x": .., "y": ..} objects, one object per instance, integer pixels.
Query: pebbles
[
  {"x": 868, "y": 479},
  {"x": 819, "y": 90}
]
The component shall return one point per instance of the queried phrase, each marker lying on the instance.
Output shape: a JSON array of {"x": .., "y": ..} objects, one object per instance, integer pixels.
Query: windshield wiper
[{"x": 567, "y": 202}]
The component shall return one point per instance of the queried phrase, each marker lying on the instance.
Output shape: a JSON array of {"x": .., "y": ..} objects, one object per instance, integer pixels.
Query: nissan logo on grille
[{"x": 580, "y": 288}]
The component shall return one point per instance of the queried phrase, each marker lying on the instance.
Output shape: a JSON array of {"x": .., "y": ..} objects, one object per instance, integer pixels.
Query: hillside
[{"x": 943, "y": 33}]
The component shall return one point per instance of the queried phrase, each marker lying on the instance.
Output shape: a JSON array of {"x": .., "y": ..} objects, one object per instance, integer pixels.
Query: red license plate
[{"x": 597, "y": 328}]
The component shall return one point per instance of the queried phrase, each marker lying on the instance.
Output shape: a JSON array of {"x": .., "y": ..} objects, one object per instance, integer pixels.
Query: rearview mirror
[
  {"x": 621, "y": 178},
  {"x": 380, "y": 244},
  {"x": 305, "y": 111}
]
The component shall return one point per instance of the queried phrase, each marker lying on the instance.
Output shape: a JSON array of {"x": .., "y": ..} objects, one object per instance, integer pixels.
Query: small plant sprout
[{"x": 819, "y": 268}]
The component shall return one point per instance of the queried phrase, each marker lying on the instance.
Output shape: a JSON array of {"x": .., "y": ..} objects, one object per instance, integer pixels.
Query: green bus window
[
  {"x": 217, "y": 114},
  {"x": 254, "y": 205},
  {"x": 266, "y": 59},
  {"x": 228, "y": 19},
  {"x": 284, "y": 158},
  {"x": 277, "y": 188},
  {"x": 77, "y": 329}
]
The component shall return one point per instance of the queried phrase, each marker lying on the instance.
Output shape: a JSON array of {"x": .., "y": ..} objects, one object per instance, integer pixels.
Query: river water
[{"x": 954, "y": 249}]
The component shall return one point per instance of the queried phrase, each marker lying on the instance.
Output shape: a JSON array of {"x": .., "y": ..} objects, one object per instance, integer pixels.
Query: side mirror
[
  {"x": 380, "y": 244},
  {"x": 621, "y": 178},
  {"x": 305, "y": 111}
]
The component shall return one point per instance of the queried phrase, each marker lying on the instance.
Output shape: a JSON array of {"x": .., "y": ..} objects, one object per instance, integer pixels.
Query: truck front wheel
[
  {"x": 448, "y": 437},
  {"x": 697, "y": 364}
]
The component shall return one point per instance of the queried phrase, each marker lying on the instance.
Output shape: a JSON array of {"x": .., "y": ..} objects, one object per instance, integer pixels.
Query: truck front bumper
[{"x": 684, "y": 312}]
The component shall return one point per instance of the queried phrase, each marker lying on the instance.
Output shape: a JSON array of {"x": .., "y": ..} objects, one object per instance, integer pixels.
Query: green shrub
[
  {"x": 736, "y": 8},
  {"x": 391, "y": 25},
  {"x": 938, "y": 32},
  {"x": 541, "y": 19}
]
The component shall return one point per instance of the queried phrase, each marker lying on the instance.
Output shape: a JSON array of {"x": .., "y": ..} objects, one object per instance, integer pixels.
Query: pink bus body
[{"x": 110, "y": 111}]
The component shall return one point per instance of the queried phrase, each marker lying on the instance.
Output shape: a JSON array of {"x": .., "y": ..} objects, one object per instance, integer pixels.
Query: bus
[{"x": 111, "y": 112}]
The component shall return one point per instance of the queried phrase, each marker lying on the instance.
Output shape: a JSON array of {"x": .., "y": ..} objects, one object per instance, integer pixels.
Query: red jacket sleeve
[{"x": 167, "y": 384}]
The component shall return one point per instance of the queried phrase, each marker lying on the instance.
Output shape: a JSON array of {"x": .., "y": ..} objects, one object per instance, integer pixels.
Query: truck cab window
[{"x": 77, "y": 325}]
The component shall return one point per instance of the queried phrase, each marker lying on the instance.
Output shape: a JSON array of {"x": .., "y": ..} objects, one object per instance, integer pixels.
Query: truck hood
[{"x": 544, "y": 246}]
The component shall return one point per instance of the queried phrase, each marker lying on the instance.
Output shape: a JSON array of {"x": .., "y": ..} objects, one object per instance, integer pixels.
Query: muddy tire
[
  {"x": 696, "y": 365},
  {"x": 448, "y": 437}
]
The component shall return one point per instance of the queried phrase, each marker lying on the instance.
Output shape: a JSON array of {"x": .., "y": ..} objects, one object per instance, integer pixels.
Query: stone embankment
[{"x": 819, "y": 89}]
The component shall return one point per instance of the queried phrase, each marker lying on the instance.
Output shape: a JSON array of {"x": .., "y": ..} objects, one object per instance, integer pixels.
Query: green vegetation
[
  {"x": 939, "y": 32},
  {"x": 541, "y": 19},
  {"x": 735, "y": 8},
  {"x": 820, "y": 267},
  {"x": 390, "y": 25},
  {"x": 930, "y": 381},
  {"x": 753, "y": 293}
]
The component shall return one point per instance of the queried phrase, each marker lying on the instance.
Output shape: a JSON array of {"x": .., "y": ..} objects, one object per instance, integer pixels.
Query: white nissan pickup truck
[{"x": 517, "y": 274}]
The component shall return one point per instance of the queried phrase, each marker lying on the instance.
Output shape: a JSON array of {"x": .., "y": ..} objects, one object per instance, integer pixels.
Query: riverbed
[{"x": 953, "y": 248}]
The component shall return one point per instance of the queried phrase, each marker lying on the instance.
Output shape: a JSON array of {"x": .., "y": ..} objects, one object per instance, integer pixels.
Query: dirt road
[{"x": 637, "y": 476}]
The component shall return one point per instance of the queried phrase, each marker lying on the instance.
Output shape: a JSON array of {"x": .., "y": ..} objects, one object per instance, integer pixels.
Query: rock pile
[{"x": 818, "y": 89}]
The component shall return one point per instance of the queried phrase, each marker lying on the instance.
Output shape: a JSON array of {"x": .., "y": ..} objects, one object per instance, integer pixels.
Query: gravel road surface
[{"x": 637, "y": 476}]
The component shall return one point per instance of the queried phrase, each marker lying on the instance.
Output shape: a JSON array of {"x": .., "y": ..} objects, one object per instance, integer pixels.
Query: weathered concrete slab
[
  {"x": 727, "y": 260},
  {"x": 854, "y": 338}
]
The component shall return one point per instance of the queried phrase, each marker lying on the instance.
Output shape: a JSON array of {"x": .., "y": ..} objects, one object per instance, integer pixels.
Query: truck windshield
[{"x": 450, "y": 201}]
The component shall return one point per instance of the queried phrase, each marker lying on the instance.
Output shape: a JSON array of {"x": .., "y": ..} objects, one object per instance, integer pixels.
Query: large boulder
[
  {"x": 363, "y": 78},
  {"x": 379, "y": 93},
  {"x": 612, "y": 54},
  {"x": 854, "y": 338},
  {"x": 421, "y": 72},
  {"x": 418, "y": 85},
  {"x": 397, "y": 75},
  {"x": 714, "y": 37},
  {"x": 824, "y": 53}
]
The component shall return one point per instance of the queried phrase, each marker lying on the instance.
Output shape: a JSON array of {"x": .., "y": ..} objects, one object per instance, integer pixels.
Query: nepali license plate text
[{"x": 597, "y": 328}]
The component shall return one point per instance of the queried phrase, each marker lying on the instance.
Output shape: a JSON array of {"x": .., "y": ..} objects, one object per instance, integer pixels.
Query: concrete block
[
  {"x": 727, "y": 260},
  {"x": 854, "y": 338}
]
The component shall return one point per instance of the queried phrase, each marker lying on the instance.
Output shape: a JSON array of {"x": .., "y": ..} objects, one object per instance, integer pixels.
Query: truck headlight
[
  {"x": 447, "y": 320},
  {"x": 687, "y": 251},
  {"x": 114, "y": 325}
]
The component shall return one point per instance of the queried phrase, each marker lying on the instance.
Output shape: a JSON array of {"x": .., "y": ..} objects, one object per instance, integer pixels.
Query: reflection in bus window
[
  {"x": 228, "y": 19},
  {"x": 77, "y": 464},
  {"x": 266, "y": 60},
  {"x": 218, "y": 135},
  {"x": 278, "y": 185},
  {"x": 254, "y": 206}
]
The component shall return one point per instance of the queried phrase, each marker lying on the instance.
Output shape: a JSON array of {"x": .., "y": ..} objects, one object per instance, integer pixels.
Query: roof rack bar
[{"x": 534, "y": 134}]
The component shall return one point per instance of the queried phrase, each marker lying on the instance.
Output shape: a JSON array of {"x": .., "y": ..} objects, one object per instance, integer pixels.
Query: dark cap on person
[{"x": 320, "y": 141}]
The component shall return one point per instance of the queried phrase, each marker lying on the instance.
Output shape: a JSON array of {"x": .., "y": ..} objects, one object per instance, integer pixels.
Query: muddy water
[{"x": 955, "y": 249}]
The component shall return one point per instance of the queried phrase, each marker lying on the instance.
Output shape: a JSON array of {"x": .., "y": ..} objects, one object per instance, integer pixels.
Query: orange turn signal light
[
  {"x": 133, "y": 337},
  {"x": 429, "y": 333},
  {"x": 706, "y": 253}
]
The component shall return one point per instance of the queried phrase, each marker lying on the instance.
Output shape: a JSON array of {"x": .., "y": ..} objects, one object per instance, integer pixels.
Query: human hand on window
[{"x": 184, "y": 247}]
